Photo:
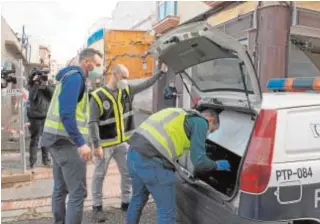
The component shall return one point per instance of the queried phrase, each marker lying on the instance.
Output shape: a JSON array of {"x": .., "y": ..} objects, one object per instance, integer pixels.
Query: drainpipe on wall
[
  {"x": 294, "y": 13},
  {"x": 22, "y": 140},
  {"x": 256, "y": 30},
  {"x": 292, "y": 20}
]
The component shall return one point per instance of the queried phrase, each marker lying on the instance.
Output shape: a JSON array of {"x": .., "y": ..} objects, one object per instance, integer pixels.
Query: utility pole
[{"x": 22, "y": 139}]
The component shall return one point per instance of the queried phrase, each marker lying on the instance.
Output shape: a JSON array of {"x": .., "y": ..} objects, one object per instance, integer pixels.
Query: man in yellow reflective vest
[
  {"x": 66, "y": 133},
  {"x": 154, "y": 149},
  {"x": 111, "y": 124}
]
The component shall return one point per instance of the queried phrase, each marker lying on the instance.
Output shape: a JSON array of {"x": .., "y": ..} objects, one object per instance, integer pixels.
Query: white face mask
[
  {"x": 96, "y": 72},
  {"x": 122, "y": 84}
]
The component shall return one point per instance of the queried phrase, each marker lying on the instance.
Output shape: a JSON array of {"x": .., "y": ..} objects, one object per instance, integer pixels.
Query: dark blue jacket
[{"x": 71, "y": 91}]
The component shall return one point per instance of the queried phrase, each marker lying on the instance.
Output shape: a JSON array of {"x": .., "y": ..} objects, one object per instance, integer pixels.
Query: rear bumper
[{"x": 289, "y": 203}]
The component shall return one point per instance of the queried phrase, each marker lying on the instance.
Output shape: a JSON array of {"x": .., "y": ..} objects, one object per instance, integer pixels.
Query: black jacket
[{"x": 39, "y": 101}]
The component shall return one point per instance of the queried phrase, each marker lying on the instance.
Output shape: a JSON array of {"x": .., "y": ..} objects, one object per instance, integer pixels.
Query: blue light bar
[
  {"x": 294, "y": 84},
  {"x": 276, "y": 84}
]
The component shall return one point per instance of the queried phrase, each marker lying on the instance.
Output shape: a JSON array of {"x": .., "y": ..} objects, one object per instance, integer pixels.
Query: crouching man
[{"x": 154, "y": 149}]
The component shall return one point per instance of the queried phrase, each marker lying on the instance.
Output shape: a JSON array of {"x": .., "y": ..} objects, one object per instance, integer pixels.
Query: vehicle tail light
[{"x": 256, "y": 169}]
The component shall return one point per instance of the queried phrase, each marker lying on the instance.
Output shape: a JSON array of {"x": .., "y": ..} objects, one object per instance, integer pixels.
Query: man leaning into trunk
[{"x": 156, "y": 146}]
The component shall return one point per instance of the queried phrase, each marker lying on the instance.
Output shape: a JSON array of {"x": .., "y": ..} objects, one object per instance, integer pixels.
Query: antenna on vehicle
[{"x": 241, "y": 64}]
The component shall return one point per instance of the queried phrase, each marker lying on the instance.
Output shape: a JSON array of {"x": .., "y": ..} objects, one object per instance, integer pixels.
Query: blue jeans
[
  {"x": 69, "y": 175},
  {"x": 149, "y": 176}
]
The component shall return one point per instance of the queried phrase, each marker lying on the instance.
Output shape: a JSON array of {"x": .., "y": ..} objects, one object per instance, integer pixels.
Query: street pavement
[
  {"x": 32, "y": 200},
  {"x": 114, "y": 215}
]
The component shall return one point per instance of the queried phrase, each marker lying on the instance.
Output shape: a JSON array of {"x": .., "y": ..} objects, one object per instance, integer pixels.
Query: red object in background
[{"x": 24, "y": 96}]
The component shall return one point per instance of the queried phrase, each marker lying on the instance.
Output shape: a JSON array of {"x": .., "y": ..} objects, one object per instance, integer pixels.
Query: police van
[{"x": 272, "y": 140}]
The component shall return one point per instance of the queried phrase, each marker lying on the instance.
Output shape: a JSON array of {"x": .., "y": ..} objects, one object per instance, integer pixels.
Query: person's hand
[
  {"x": 223, "y": 165},
  {"x": 85, "y": 152},
  {"x": 98, "y": 152},
  {"x": 174, "y": 94},
  {"x": 164, "y": 68},
  {"x": 35, "y": 78}
]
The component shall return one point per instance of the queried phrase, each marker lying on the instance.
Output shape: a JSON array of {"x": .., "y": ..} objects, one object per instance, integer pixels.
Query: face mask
[
  {"x": 96, "y": 72},
  {"x": 122, "y": 84}
]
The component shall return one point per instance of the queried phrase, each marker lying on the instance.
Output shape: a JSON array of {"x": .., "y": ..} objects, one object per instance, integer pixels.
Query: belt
[
  {"x": 159, "y": 160},
  {"x": 164, "y": 163}
]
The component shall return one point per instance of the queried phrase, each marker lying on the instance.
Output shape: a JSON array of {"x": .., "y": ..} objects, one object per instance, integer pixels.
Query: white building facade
[{"x": 137, "y": 15}]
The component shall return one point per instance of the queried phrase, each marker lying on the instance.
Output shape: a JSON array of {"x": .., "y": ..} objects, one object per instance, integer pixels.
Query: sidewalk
[
  {"x": 34, "y": 198},
  {"x": 114, "y": 216}
]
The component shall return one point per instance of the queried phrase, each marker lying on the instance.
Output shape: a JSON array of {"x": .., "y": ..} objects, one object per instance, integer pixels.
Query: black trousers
[{"x": 36, "y": 128}]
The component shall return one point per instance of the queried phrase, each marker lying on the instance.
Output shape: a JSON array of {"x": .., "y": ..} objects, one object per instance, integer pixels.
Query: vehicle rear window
[{"x": 221, "y": 74}]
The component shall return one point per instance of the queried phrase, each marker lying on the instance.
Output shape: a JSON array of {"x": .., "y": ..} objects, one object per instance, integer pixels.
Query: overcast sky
[{"x": 64, "y": 25}]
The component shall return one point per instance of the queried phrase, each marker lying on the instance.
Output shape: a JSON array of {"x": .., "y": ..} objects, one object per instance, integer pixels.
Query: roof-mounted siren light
[{"x": 308, "y": 84}]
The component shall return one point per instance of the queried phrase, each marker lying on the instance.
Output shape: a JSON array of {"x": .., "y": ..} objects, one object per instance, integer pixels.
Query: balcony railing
[{"x": 167, "y": 16}]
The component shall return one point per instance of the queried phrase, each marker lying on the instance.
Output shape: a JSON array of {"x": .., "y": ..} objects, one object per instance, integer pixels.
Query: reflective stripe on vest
[
  {"x": 53, "y": 124},
  {"x": 165, "y": 131},
  {"x": 124, "y": 136},
  {"x": 109, "y": 142},
  {"x": 112, "y": 120},
  {"x": 118, "y": 118}
]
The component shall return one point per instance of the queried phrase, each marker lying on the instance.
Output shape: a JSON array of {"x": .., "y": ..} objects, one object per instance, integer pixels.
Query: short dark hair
[
  {"x": 212, "y": 113},
  {"x": 89, "y": 53}
]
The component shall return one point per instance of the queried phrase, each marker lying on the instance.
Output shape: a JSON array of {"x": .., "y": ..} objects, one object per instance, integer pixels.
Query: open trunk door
[{"x": 221, "y": 67}]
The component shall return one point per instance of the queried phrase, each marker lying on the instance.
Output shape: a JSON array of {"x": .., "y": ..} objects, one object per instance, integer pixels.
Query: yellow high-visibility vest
[
  {"x": 165, "y": 131},
  {"x": 53, "y": 124},
  {"x": 116, "y": 122}
]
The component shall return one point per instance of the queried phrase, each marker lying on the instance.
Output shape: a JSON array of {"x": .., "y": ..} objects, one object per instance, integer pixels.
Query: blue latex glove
[{"x": 223, "y": 165}]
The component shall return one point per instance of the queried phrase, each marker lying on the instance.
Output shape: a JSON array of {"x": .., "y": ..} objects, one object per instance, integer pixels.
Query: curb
[{"x": 15, "y": 178}]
